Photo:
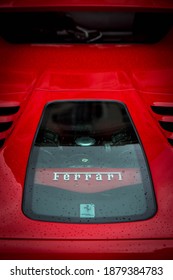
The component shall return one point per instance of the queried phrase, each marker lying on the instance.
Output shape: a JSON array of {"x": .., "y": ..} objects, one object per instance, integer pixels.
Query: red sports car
[{"x": 86, "y": 129}]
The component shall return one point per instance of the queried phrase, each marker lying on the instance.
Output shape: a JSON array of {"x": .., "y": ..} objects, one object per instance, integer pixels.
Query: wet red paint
[
  {"x": 138, "y": 76},
  {"x": 140, "y": 4}
]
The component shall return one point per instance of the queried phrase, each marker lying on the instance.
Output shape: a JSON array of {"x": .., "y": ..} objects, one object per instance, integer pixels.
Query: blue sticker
[{"x": 87, "y": 210}]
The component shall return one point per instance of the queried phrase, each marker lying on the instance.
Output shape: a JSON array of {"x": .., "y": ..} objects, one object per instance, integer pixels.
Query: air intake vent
[
  {"x": 164, "y": 115},
  {"x": 8, "y": 112},
  {"x": 167, "y": 123},
  {"x": 165, "y": 109}
]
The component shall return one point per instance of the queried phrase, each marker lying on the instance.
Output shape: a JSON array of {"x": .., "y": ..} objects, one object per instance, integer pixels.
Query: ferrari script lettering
[{"x": 98, "y": 176}]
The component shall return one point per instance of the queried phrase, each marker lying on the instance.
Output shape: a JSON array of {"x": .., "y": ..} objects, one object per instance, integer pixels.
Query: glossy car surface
[{"x": 139, "y": 76}]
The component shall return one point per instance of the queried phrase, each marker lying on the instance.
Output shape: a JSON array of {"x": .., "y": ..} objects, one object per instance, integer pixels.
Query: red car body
[{"x": 140, "y": 76}]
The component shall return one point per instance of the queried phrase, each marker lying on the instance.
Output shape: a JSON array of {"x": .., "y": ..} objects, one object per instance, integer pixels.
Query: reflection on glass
[{"x": 87, "y": 166}]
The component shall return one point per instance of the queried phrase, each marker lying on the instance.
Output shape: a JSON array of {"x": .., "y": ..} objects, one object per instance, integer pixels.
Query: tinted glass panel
[
  {"x": 84, "y": 27},
  {"x": 87, "y": 166}
]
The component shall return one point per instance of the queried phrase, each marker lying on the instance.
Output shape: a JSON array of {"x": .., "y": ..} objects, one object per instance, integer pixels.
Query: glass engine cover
[{"x": 87, "y": 166}]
